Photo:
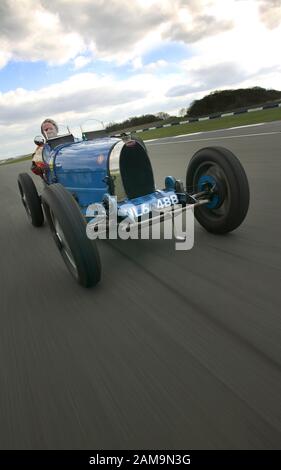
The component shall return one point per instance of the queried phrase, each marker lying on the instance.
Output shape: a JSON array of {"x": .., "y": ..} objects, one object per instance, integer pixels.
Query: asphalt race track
[{"x": 174, "y": 349}]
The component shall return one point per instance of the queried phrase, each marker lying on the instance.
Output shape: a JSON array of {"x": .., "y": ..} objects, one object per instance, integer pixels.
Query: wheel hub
[{"x": 215, "y": 189}]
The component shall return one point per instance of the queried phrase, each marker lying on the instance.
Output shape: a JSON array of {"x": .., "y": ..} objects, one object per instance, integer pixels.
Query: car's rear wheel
[
  {"x": 30, "y": 200},
  {"x": 218, "y": 168},
  {"x": 68, "y": 228}
]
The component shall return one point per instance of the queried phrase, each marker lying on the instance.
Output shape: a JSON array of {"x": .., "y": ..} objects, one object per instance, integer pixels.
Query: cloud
[
  {"x": 57, "y": 31},
  {"x": 270, "y": 12},
  {"x": 30, "y": 32},
  {"x": 199, "y": 27},
  {"x": 12, "y": 21},
  {"x": 210, "y": 77},
  {"x": 110, "y": 24},
  {"x": 84, "y": 92},
  {"x": 157, "y": 65},
  {"x": 5, "y": 57},
  {"x": 82, "y": 96},
  {"x": 81, "y": 61},
  {"x": 153, "y": 67},
  {"x": 181, "y": 90},
  {"x": 197, "y": 19}
]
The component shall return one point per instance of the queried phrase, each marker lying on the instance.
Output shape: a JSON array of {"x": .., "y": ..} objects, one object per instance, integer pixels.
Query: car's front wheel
[
  {"x": 219, "y": 169},
  {"x": 68, "y": 228}
]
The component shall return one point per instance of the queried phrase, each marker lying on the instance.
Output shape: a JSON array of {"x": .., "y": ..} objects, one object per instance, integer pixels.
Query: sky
[{"x": 75, "y": 60}]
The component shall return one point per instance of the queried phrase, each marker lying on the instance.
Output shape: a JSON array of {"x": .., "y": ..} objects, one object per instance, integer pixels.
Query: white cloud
[
  {"x": 59, "y": 30},
  {"x": 30, "y": 32},
  {"x": 245, "y": 56},
  {"x": 250, "y": 44},
  {"x": 81, "y": 61},
  {"x": 157, "y": 65},
  {"x": 81, "y": 92},
  {"x": 72, "y": 101},
  {"x": 137, "y": 63},
  {"x": 270, "y": 12},
  {"x": 192, "y": 24},
  {"x": 5, "y": 57}
]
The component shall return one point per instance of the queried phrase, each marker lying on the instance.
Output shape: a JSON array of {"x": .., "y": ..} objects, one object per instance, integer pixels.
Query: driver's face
[{"x": 49, "y": 129}]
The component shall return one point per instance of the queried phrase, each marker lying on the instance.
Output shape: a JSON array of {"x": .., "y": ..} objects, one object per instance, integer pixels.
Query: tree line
[
  {"x": 216, "y": 102},
  {"x": 136, "y": 121},
  {"x": 229, "y": 100}
]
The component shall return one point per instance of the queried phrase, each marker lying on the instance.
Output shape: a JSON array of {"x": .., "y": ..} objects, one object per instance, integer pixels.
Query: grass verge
[
  {"x": 254, "y": 117},
  {"x": 16, "y": 160}
]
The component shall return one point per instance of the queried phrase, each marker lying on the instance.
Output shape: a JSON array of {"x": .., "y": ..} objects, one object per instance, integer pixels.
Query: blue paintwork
[
  {"x": 170, "y": 183},
  {"x": 215, "y": 200},
  {"x": 81, "y": 168},
  {"x": 123, "y": 208}
]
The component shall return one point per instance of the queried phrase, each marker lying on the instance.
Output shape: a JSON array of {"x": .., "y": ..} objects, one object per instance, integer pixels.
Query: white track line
[
  {"x": 184, "y": 135},
  {"x": 248, "y": 125},
  {"x": 204, "y": 132},
  {"x": 218, "y": 138}
]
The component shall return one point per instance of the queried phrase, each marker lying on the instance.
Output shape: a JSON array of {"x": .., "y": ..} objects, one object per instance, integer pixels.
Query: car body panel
[
  {"x": 108, "y": 167},
  {"x": 81, "y": 167}
]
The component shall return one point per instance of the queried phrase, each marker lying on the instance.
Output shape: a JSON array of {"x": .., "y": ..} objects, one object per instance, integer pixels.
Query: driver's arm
[
  {"x": 37, "y": 155},
  {"x": 38, "y": 165}
]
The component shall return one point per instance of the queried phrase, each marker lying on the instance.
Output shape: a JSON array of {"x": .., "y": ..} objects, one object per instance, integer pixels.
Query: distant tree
[
  {"x": 162, "y": 115},
  {"x": 182, "y": 112},
  {"x": 132, "y": 122}
]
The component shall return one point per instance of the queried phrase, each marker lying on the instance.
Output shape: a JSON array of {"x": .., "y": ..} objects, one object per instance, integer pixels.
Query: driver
[{"x": 49, "y": 129}]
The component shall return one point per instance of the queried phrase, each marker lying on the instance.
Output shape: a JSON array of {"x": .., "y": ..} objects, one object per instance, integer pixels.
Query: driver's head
[{"x": 49, "y": 128}]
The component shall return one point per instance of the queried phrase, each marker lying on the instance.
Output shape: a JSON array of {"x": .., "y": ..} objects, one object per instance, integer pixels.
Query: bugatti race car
[{"x": 115, "y": 173}]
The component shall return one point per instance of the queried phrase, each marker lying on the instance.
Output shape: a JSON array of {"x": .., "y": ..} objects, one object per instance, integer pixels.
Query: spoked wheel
[
  {"x": 68, "y": 228},
  {"x": 218, "y": 171},
  {"x": 30, "y": 200}
]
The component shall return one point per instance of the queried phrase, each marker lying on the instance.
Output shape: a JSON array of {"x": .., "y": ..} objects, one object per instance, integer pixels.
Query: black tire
[
  {"x": 30, "y": 199},
  {"x": 222, "y": 165},
  {"x": 68, "y": 228}
]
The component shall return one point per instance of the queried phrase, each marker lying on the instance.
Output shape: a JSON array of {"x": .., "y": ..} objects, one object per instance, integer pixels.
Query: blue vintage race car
[{"x": 115, "y": 172}]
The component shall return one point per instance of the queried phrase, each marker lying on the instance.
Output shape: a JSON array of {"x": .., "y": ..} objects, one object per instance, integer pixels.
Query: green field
[
  {"x": 254, "y": 117},
  {"x": 17, "y": 160}
]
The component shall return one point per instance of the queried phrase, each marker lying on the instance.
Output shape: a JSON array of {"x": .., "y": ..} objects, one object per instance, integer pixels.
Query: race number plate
[{"x": 157, "y": 204}]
